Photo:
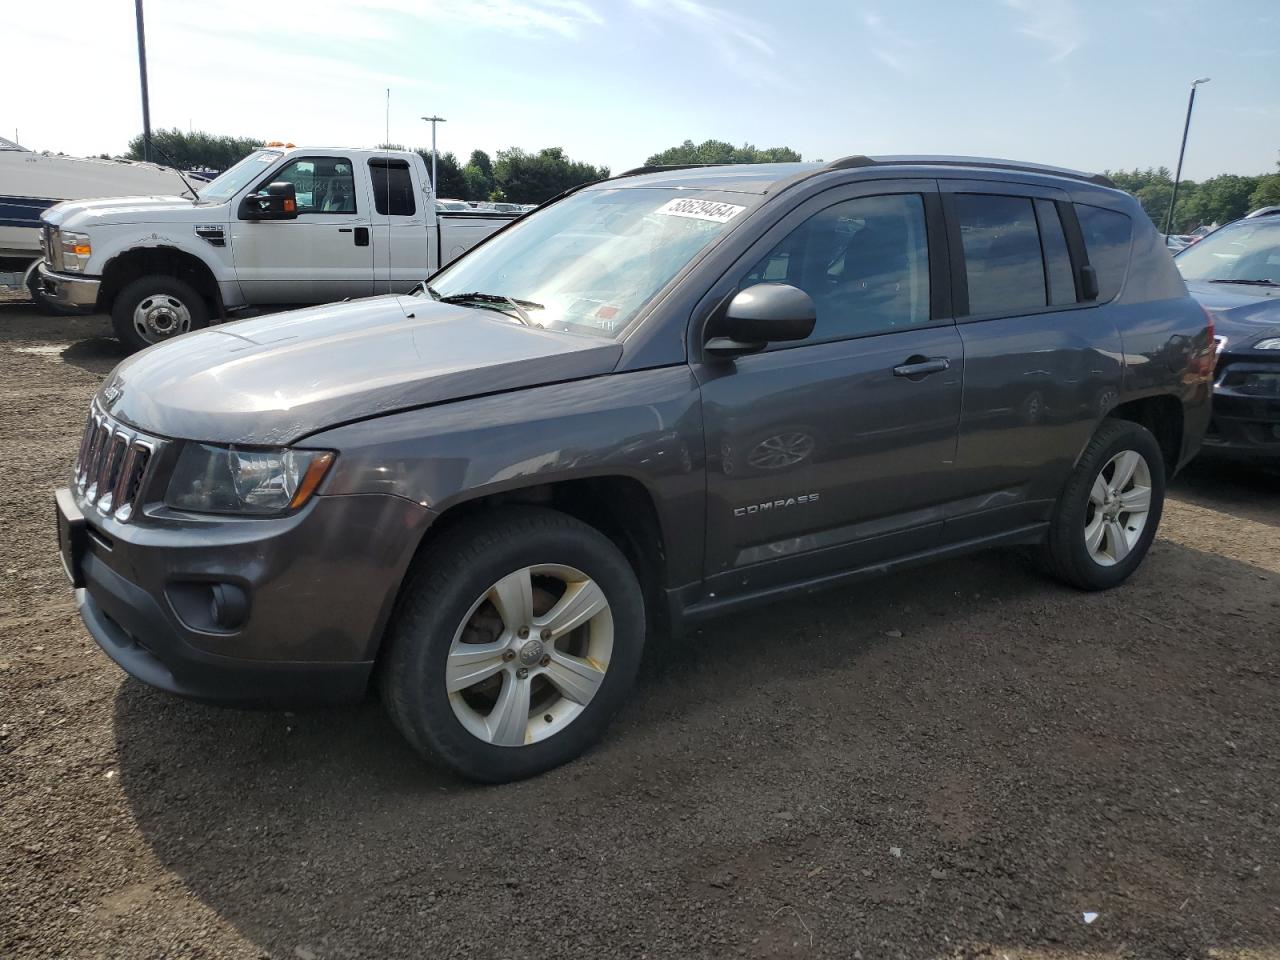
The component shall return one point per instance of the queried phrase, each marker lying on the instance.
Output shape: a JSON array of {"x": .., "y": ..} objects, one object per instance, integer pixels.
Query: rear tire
[
  {"x": 156, "y": 308},
  {"x": 515, "y": 640},
  {"x": 1108, "y": 513}
]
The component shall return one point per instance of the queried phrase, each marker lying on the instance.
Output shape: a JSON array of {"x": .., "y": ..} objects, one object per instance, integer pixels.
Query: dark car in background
[
  {"x": 1234, "y": 273},
  {"x": 659, "y": 398}
]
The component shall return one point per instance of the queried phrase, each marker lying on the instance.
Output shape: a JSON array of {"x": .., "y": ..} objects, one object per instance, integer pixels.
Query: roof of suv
[{"x": 759, "y": 178}]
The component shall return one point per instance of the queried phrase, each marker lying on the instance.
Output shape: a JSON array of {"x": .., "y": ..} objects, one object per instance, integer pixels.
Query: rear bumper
[{"x": 66, "y": 290}]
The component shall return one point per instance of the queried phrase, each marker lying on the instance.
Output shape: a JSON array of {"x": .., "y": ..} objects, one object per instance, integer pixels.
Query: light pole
[
  {"x": 142, "y": 73},
  {"x": 433, "y": 121},
  {"x": 1191, "y": 102}
]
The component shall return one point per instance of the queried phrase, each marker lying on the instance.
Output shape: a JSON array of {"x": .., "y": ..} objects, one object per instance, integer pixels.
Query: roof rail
[
  {"x": 858, "y": 160},
  {"x": 661, "y": 167}
]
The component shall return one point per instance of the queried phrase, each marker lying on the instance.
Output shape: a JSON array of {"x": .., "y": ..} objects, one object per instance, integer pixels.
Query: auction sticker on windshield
[{"x": 701, "y": 210}]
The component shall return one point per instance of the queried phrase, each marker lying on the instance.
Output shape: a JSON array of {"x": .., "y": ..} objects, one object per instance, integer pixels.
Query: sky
[{"x": 1090, "y": 84}]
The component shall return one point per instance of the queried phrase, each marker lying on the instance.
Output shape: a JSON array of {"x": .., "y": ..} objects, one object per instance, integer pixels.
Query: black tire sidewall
[
  {"x": 136, "y": 290},
  {"x": 438, "y": 600},
  {"x": 1120, "y": 435}
]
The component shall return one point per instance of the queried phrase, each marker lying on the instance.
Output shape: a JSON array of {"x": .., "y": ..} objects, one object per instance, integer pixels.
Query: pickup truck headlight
[
  {"x": 248, "y": 481},
  {"x": 76, "y": 251},
  {"x": 1271, "y": 343}
]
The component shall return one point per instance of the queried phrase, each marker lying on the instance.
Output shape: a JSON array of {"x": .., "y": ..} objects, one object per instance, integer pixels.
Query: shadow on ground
[{"x": 796, "y": 781}]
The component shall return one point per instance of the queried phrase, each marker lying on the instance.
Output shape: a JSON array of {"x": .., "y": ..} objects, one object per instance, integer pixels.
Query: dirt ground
[{"x": 967, "y": 761}]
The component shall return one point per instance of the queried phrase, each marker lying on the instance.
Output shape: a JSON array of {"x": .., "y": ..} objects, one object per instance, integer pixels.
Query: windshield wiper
[
  {"x": 497, "y": 299},
  {"x": 1264, "y": 282}
]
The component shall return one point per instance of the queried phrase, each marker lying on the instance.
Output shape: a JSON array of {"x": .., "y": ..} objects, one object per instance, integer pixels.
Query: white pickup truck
[{"x": 286, "y": 225}]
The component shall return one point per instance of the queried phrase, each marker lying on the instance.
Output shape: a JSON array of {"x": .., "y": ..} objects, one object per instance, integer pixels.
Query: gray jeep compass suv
[{"x": 660, "y": 397}]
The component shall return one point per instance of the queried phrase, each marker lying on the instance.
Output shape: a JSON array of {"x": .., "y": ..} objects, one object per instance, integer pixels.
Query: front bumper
[
  {"x": 1245, "y": 426},
  {"x": 319, "y": 585},
  {"x": 69, "y": 290}
]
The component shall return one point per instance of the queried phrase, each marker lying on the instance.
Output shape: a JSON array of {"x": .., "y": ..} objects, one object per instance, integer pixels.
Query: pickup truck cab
[
  {"x": 286, "y": 225},
  {"x": 656, "y": 399}
]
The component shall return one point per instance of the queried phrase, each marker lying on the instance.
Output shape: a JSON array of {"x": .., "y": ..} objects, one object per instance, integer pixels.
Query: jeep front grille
[{"x": 113, "y": 464}]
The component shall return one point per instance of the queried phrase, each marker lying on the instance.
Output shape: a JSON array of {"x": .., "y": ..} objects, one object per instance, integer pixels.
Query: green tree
[
  {"x": 534, "y": 177},
  {"x": 1267, "y": 193},
  {"x": 477, "y": 185},
  {"x": 195, "y": 150},
  {"x": 718, "y": 151},
  {"x": 452, "y": 183},
  {"x": 1219, "y": 200},
  {"x": 481, "y": 161}
]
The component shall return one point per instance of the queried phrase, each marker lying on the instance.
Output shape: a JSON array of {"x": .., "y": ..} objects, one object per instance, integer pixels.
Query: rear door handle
[{"x": 917, "y": 367}]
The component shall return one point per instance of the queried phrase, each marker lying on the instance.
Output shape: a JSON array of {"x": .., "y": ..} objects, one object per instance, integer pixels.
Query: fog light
[{"x": 209, "y": 607}]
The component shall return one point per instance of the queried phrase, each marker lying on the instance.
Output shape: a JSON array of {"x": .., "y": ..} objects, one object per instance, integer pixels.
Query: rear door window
[
  {"x": 1057, "y": 261},
  {"x": 1003, "y": 263},
  {"x": 392, "y": 187},
  {"x": 1106, "y": 240}
]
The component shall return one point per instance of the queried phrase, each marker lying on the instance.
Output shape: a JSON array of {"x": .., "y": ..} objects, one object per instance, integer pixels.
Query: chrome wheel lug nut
[
  {"x": 522, "y": 673},
  {"x": 546, "y": 634},
  {"x": 523, "y": 633},
  {"x": 545, "y": 660},
  {"x": 509, "y": 655}
]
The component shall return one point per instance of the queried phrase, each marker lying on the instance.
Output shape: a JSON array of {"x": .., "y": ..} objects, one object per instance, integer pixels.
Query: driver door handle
[{"x": 917, "y": 367}]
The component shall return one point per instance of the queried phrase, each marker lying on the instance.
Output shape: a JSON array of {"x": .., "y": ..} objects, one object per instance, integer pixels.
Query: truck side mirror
[
  {"x": 279, "y": 201},
  {"x": 759, "y": 315}
]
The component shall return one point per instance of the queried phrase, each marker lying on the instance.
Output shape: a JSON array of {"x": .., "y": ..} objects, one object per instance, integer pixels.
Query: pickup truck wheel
[
  {"x": 156, "y": 308},
  {"x": 516, "y": 639},
  {"x": 1107, "y": 516}
]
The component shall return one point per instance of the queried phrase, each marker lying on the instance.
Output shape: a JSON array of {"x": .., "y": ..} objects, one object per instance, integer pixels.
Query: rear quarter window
[{"x": 1107, "y": 236}]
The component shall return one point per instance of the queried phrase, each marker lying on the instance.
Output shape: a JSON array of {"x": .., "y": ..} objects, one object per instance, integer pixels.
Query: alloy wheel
[
  {"x": 531, "y": 653},
  {"x": 1119, "y": 505}
]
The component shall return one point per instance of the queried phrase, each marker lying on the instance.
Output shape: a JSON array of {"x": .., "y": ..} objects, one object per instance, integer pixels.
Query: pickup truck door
[
  {"x": 398, "y": 226},
  {"x": 323, "y": 255},
  {"x": 837, "y": 451}
]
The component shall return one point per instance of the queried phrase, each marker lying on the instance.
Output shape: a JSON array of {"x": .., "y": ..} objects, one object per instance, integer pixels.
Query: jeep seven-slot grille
[{"x": 111, "y": 467}]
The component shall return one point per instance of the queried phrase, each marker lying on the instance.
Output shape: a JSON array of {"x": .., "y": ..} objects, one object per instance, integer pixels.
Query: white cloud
[
  {"x": 892, "y": 48},
  {"x": 1055, "y": 23},
  {"x": 739, "y": 42}
]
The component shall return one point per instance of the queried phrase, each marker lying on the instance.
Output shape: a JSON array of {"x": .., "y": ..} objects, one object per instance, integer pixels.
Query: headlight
[
  {"x": 1271, "y": 343},
  {"x": 76, "y": 251},
  {"x": 257, "y": 482}
]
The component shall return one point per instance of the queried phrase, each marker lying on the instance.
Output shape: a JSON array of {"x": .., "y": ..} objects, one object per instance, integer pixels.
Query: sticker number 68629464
[{"x": 701, "y": 210}]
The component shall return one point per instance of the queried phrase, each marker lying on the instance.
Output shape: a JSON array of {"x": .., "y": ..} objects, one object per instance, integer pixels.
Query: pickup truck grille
[
  {"x": 51, "y": 247},
  {"x": 113, "y": 465}
]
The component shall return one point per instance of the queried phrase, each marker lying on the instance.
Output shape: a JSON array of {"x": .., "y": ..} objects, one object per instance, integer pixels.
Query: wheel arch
[
  {"x": 136, "y": 262},
  {"x": 619, "y": 506},
  {"x": 1162, "y": 416}
]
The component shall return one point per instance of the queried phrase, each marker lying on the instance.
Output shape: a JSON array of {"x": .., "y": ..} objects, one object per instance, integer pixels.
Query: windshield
[
  {"x": 238, "y": 177},
  {"x": 591, "y": 262},
  {"x": 1244, "y": 250}
]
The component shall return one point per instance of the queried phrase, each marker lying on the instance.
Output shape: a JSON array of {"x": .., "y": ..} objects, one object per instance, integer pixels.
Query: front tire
[
  {"x": 515, "y": 640},
  {"x": 1108, "y": 513},
  {"x": 156, "y": 308}
]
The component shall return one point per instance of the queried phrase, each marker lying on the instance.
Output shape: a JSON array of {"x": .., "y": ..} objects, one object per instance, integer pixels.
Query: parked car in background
[
  {"x": 1175, "y": 242},
  {"x": 660, "y": 398},
  {"x": 286, "y": 225},
  {"x": 456, "y": 206},
  {"x": 1235, "y": 273},
  {"x": 508, "y": 208}
]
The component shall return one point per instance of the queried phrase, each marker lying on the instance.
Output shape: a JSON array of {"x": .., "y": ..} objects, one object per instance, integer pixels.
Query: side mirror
[
  {"x": 279, "y": 201},
  {"x": 759, "y": 315}
]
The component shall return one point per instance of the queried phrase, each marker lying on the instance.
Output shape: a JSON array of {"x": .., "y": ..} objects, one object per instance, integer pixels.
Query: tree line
[
  {"x": 523, "y": 176},
  {"x": 1217, "y": 200}
]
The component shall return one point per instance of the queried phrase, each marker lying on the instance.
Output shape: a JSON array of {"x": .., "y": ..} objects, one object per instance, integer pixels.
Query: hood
[
  {"x": 1242, "y": 313},
  {"x": 273, "y": 380},
  {"x": 75, "y": 214}
]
